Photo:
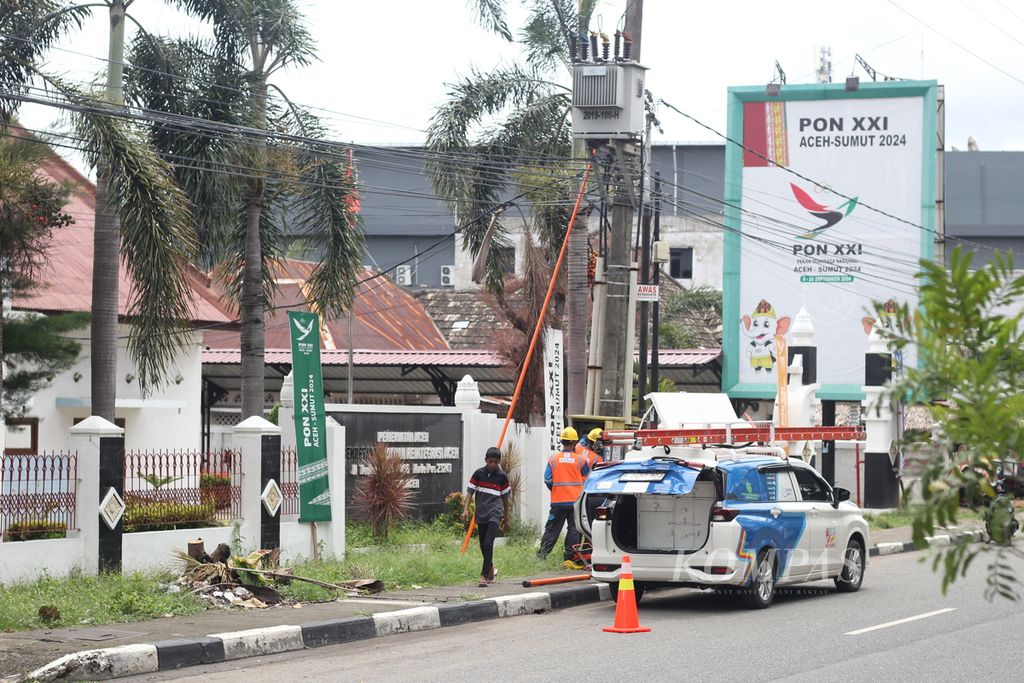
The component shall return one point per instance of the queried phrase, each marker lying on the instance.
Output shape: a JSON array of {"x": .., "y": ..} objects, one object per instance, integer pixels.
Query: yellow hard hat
[
  {"x": 595, "y": 434},
  {"x": 569, "y": 434}
]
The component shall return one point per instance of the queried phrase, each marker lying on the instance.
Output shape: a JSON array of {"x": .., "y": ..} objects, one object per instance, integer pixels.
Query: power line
[{"x": 965, "y": 49}]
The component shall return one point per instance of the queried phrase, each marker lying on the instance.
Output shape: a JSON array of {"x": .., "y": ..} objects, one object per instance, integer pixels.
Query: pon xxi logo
[
  {"x": 303, "y": 331},
  {"x": 830, "y": 216}
]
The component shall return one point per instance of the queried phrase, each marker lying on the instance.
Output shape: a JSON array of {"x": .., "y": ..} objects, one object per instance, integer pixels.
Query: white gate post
[
  {"x": 85, "y": 441},
  {"x": 248, "y": 441}
]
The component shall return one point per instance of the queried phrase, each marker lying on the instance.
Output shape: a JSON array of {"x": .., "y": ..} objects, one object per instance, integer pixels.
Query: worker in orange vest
[
  {"x": 592, "y": 447},
  {"x": 564, "y": 477}
]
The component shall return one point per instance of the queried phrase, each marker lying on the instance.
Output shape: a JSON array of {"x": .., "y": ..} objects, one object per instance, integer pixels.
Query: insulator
[
  {"x": 583, "y": 47},
  {"x": 618, "y": 45},
  {"x": 593, "y": 44},
  {"x": 572, "y": 47}
]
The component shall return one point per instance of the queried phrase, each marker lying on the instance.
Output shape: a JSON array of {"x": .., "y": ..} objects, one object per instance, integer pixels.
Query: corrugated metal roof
[
  {"x": 367, "y": 357},
  {"x": 687, "y": 357},
  {"x": 386, "y": 316},
  {"x": 465, "y": 318},
  {"x": 65, "y": 281}
]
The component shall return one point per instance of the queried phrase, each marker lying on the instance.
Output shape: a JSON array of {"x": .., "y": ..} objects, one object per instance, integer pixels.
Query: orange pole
[
  {"x": 536, "y": 334},
  {"x": 558, "y": 579}
]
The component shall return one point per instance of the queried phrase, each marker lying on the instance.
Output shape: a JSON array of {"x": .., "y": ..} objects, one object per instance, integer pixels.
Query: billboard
[{"x": 829, "y": 207}]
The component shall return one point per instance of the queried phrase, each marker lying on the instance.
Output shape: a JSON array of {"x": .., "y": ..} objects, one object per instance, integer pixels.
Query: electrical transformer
[{"x": 608, "y": 100}]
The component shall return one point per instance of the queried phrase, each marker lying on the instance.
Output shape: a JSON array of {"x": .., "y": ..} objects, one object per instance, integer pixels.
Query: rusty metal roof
[
  {"x": 65, "y": 281},
  {"x": 386, "y": 317}
]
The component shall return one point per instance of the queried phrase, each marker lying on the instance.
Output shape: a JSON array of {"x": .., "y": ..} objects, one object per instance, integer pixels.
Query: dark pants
[
  {"x": 557, "y": 518},
  {"x": 487, "y": 531}
]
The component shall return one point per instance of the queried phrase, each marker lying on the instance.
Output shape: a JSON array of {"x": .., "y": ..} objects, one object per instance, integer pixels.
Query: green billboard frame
[{"x": 733, "y": 222}]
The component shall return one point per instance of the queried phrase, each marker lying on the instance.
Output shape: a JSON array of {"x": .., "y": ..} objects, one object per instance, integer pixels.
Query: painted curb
[
  {"x": 938, "y": 541},
  {"x": 129, "y": 660}
]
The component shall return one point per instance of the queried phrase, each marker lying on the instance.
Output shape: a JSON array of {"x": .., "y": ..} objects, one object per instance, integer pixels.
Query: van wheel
[
  {"x": 852, "y": 575},
  {"x": 762, "y": 587},
  {"x": 638, "y": 591}
]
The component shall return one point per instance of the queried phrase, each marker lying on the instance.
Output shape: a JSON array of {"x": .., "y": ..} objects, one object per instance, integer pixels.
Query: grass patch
[
  {"x": 83, "y": 600},
  {"x": 439, "y": 565},
  {"x": 905, "y": 517}
]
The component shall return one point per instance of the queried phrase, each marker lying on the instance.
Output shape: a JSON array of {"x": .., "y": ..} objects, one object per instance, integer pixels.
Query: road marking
[{"x": 900, "y": 621}]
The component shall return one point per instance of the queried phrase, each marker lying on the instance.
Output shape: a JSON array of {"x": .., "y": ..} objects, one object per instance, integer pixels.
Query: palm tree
[
  {"x": 515, "y": 122},
  {"x": 142, "y": 217},
  {"x": 255, "y": 190}
]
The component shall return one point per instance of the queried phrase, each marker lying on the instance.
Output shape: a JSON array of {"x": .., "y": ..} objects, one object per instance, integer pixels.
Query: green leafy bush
[
  {"x": 216, "y": 487},
  {"x": 142, "y": 514},
  {"x": 35, "y": 530}
]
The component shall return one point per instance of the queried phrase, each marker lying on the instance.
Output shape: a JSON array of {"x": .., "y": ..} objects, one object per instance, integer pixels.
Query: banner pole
[{"x": 536, "y": 334}]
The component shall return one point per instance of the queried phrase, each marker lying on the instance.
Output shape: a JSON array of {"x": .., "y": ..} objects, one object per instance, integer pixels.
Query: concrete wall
[
  {"x": 29, "y": 560},
  {"x": 169, "y": 418},
  {"x": 386, "y": 252},
  {"x": 148, "y": 550}
]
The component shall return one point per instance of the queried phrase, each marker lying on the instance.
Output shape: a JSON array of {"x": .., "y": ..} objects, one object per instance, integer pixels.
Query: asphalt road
[{"x": 809, "y": 634}]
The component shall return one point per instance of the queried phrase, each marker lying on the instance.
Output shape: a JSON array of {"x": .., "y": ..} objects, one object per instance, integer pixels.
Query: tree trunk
[
  {"x": 106, "y": 246},
  {"x": 252, "y": 275}
]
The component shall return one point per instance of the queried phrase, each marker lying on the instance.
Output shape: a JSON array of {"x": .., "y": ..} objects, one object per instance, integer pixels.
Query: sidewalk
[{"x": 25, "y": 651}]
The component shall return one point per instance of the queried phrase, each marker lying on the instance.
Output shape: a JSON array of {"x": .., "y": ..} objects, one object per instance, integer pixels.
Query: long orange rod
[
  {"x": 536, "y": 334},
  {"x": 558, "y": 579}
]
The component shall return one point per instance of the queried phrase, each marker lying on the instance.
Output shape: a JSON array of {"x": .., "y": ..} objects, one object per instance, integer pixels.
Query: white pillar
[
  {"x": 333, "y": 532},
  {"x": 286, "y": 413},
  {"x": 85, "y": 441},
  {"x": 248, "y": 441}
]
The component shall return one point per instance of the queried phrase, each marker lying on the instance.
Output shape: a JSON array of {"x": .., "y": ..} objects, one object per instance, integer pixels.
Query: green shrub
[
  {"x": 142, "y": 514},
  {"x": 35, "y": 530},
  {"x": 211, "y": 479},
  {"x": 216, "y": 488}
]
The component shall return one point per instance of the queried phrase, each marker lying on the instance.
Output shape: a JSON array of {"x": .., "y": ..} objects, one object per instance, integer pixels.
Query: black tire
[
  {"x": 854, "y": 562},
  {"x": 638, "y": 591},
  {"x": 761, "y": 592}
]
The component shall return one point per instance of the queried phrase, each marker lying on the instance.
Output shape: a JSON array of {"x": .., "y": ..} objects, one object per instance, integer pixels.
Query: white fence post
[
  {"x": 85, "y": 440},
  {"x": 286, "y": 413},
  {"x": 248, "y": 443}
]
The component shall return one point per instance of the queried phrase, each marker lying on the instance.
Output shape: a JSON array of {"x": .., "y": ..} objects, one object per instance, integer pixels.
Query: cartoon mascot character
[
  {"x": 761, "y": 328},
  {"x": 886, "y": 319}
]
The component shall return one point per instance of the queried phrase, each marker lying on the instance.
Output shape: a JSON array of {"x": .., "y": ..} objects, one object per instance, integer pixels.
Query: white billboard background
[{"x": 885, "y": 173}]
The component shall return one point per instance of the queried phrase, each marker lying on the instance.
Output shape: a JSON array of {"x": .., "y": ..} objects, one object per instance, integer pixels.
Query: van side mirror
[{"x": 840, "y": 494}]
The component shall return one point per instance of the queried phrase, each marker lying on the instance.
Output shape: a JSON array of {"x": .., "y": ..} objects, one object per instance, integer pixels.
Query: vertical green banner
[{"x": 310, "y": 421}]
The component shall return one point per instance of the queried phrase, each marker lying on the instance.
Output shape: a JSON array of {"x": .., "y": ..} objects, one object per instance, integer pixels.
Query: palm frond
[
  {"x": 157, "y": 239},
  {"x": 31, "y": 29},
  {"x": 490, "y": 14}
]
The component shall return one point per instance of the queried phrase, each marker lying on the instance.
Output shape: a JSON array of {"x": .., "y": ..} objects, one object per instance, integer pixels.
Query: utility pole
[
  {"x": 656, "y": 313},
  {"x": 616, "y": 374}
]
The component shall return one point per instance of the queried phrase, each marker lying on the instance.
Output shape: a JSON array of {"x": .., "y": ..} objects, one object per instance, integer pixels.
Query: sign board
[
  {"x": 310, "y": 421},
  {"x": 429, "y": 444},
  {"x": 651, "y": 293},
  {"x": 829, "y": 206},
  {"x": 554, "y": 389}
]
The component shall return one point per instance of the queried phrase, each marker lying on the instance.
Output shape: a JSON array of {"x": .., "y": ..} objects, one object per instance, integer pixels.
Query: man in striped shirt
[{"x": 491, "y": 488}]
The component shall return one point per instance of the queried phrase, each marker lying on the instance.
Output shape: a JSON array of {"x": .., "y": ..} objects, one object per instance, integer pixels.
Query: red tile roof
[
  {"x": 386, "y": 317},
  {"x": 65, "y": 282}
]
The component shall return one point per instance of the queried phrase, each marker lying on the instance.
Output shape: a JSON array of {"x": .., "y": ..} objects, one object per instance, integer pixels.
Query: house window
[
  {"x": 680, "y": 263},
  {"x": 22, "y": 436}
]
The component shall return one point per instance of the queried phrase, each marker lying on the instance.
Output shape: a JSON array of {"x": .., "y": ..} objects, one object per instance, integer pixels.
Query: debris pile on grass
[{"x": 250, "y": 581}]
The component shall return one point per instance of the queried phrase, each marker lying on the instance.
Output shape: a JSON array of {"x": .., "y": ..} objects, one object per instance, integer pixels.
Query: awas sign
[
  {"x": 649, "y": 293},
  {"x": 829, "y": 206},
  {"x": 429, "y": 444}
]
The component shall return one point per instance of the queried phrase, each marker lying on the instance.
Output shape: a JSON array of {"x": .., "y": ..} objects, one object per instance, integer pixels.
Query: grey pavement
[{"x": 810, "y": 633}]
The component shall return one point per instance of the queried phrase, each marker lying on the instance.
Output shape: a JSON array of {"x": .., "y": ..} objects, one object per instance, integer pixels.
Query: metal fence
[
  {"x": 37, "y": 495},
  {"x": 181, "y": 489},
  {"x": 289, "y": 481}
]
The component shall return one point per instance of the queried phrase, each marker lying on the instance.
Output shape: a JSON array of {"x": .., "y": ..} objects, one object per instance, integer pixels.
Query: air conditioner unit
[
  {"x": 608, "y": 100},
  {"x": 403, "y": 275},
  {"x": 447, "y": 276}
]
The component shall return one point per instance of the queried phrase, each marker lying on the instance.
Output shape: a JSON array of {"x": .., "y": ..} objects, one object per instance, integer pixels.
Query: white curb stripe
[
  {"x": 889, "y": 548},
  {"x": 939, "y": 541},
  {"x": 261, "y": 641},
  {"x": 524, "y": 603},
  {"x": 604, "y": 591},
  {"x": 91, "y": 665},
  {"x": 901, "y": 621},
  {"x": 407, "y": 620}
]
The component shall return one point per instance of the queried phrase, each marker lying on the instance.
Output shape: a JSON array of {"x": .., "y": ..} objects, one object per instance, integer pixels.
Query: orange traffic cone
[{"x": 626, "y": 618}]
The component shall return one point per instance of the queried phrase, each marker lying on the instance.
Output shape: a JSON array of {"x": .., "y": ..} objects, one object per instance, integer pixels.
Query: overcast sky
[{"x": 384, "y": 65}]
